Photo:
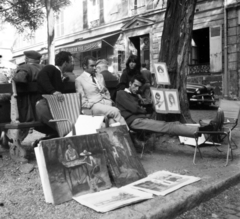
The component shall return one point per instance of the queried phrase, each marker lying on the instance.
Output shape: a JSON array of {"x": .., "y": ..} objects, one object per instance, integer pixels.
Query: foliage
[{"x": 27, "y": 14}]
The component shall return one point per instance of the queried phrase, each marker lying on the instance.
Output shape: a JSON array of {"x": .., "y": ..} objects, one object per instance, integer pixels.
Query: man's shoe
[
  {"x": 207, "y": 128},
  {"x": 218, "y": 121}
]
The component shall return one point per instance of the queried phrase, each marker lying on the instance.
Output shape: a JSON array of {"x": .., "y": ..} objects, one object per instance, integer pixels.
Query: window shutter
[
  {"x": 215, "y": 48},
  {"x": 85, "y": 14}
]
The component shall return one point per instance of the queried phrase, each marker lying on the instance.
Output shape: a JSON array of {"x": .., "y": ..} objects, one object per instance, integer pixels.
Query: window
[
  {"x": 85, "y": 14},
  {"x": 59, "y": 24}
]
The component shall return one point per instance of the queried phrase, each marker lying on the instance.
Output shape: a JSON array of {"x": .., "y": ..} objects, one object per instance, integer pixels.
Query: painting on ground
[
  {"x": 123, "y": 162},
  {"x": 75, "y": 165}
]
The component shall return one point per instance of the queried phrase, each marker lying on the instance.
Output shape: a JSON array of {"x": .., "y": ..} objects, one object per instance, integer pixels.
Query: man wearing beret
[{"x": 28, "y": 73}]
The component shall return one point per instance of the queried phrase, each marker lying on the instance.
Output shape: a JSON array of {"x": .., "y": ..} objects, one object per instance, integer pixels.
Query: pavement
[{"x": 170, "y": 155}]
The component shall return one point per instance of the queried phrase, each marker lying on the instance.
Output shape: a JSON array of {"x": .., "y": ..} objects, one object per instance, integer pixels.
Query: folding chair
[
  {"x": 231, "y": 111},
  {"x": 65, "y": 113}
]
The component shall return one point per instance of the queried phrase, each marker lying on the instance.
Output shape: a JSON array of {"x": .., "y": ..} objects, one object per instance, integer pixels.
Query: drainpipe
[{"x": 225, "y": 76}]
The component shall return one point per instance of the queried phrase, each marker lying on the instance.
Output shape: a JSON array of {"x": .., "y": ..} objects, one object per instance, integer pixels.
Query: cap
[
  {"x": 32, "y": 55},
  {"x": 102, "y": 61}
]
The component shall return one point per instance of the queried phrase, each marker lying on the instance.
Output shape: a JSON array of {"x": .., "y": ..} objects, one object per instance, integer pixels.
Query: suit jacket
[{"x": 90, "y": 92}]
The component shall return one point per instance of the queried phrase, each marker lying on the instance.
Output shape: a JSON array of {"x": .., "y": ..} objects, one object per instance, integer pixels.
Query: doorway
[{"x": 142, "y": 47}]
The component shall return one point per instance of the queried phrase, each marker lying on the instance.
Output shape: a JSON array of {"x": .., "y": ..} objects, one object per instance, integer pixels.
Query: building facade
[{"x": 115, "y": 29}]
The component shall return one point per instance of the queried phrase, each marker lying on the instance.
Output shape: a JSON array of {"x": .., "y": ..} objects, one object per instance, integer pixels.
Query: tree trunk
[
  {"x": 175, "y": 48},
  {"x": 50, "y": 31}
]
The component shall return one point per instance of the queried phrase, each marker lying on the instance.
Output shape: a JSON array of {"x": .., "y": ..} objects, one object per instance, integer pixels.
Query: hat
[
  {"x": 102, "y": 61},
  {"x": 85, "y": 153},
  {"x": 32, "y": 55}
]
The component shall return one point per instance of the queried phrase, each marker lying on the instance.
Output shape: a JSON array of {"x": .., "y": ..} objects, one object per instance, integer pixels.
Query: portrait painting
[
  {"x": 172, "y": 101},
  {"x": 122, "y": 160},
  {"x": 158, "y": 98},
  {"x": 161, "y": 73}
]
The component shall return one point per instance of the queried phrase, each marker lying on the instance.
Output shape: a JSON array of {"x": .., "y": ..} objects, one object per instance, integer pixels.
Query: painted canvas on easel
[
  {"x": 158, "y": 98},
  {"x": 122, "y": 160},
  {"x": 161, "y": 73},
  {"x": 75, "y": 165}
]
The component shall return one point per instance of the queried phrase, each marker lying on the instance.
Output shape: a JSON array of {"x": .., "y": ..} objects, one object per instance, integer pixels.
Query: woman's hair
[
  {"x": 171, "y": 96},
  {"x": 133, "y": 58}
]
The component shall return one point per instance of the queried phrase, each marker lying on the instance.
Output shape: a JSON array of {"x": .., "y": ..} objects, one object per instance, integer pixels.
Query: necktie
[{"x": 93, "y": 78}]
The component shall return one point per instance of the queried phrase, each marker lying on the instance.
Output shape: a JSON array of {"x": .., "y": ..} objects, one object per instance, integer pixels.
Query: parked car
[{"x": 199, "y": 94}]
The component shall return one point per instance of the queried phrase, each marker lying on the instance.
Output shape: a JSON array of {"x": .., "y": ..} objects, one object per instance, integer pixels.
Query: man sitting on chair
[
  {"x": 95, "y": 95},
  {"x": 137, "y": 118}
]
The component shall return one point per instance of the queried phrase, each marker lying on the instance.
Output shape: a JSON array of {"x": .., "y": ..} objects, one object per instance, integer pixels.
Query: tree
[
  {"x": 175, "y": 47},
  {"x": 30, "y": 14}
]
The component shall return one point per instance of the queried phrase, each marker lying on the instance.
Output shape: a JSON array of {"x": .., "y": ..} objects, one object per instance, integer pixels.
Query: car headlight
[{"x": 198, "y": 91}]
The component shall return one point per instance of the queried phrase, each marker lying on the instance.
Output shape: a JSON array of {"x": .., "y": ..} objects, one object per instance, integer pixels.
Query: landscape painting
[
  {"x": 76, "y": 165},
  {"x": 122, "y": 160}
]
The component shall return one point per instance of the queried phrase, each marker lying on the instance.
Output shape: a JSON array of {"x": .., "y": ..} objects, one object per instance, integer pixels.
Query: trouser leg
[
  {"x": 44, "y": 115},
  {"x": 113, "y": 113},
  {"x": 172, "y": 128}
]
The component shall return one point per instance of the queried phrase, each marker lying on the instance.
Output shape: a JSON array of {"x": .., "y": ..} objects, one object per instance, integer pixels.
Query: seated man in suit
[
  {"x": 95, "y": 95},
  {"x": 137, "y": 118}
]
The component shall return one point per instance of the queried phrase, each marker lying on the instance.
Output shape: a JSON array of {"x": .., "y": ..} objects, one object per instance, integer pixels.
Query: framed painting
[
  {"x": 161, "y": 73},
  {"x": 122, "y": 160},
  {"x": 74, "y": 166},
  {"x": 172, "y": 101},
  {"x": 159, "y": 101}
]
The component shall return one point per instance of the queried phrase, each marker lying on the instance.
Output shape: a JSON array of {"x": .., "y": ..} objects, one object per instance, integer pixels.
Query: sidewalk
[
  {"x": 177, "y": 158},
  {"x": 172, "y": 156}
]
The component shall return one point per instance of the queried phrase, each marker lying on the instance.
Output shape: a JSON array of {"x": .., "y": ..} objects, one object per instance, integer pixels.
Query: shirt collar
[
  {"x": 127, "y": 90},
  {"x": 58, "y": 68},
  {"x": 88, "y": 74}
]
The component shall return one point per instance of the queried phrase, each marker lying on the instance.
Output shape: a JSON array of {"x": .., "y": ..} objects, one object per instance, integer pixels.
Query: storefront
[{"x": 99, "y": 47}]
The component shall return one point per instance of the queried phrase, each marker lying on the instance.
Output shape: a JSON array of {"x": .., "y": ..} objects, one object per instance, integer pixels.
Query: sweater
[
  {"x": 128, "y": 104},
  {"x": 49, "y": 80}
]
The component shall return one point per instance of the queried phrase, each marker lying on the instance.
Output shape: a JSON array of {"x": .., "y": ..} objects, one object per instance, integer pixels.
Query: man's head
[
  {"x": 65, "y": 61},
  {"x": 32, "y": 56},
  {"x": 157, "y": 97},
  {"x": 101, "y": 65},
  {"x": 136, "y": 82},
  {"x": 89, "y": 64},
  {"x": 144, "y": 65}
]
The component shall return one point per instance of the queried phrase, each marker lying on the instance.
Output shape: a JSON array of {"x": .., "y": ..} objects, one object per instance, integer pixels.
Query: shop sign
[{"x": 83, "y": 48}]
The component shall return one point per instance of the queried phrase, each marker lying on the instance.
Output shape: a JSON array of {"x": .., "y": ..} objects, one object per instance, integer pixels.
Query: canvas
[
  {"x": 161, "y": 73},
  {"x": 112, "y": 198},
  {"x": 74, "y": 166},
  {"x": 172, "y": 100},
  {"x": 122, "y": 160},
  {"x": 163, "y": 182},
  {"x": 159, "y": 101}
]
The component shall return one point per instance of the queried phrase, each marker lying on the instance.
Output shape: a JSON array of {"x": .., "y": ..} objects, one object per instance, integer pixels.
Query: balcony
[{"x": 199, "y": 69}]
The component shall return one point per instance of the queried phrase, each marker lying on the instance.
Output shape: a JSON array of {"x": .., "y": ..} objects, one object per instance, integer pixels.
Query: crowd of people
[{"x": 123, "y": 108}]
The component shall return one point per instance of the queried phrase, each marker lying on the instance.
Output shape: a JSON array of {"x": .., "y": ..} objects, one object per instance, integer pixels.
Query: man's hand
[{"x": 60, "y": 96}]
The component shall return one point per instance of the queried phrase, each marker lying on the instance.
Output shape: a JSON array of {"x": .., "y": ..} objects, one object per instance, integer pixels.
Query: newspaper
[
  {"x": 111, "y": 199},
  {"x": 163, "y": 182}
]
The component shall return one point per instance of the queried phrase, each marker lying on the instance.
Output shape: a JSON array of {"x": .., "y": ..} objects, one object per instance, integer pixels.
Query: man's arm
[
  {"x": 128, "y": 104},
  {"x": 79, "y": 89}
]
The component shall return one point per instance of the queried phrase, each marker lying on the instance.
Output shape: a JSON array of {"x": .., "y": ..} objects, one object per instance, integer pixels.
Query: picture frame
[
  {"x": 172, "y": 100},
  {"x": 161, "y": 73},
  {"x": 165, "y": 100},
  {"x": 159, "y": 101}
]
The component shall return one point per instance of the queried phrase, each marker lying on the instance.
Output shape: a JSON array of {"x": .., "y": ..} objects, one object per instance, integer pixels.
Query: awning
[{"x": 86, "y": 45}]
